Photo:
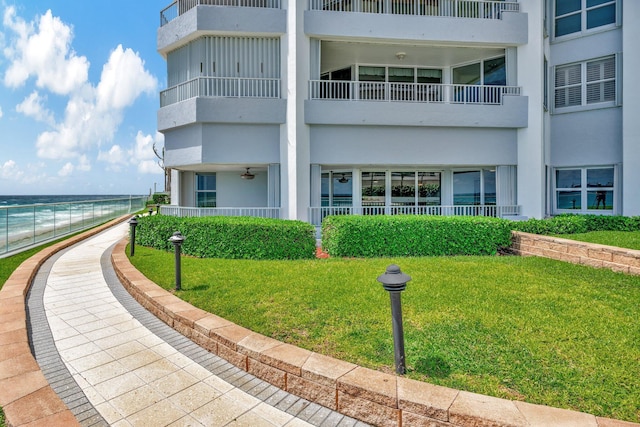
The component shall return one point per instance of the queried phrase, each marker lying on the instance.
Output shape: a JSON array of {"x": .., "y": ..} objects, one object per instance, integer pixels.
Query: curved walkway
[{"x": 114, "y": 364}]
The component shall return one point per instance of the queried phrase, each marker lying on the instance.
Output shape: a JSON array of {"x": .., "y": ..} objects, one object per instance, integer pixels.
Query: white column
[
  {"x": 630, "y": 109},
  {"x": 294, "y": 135},
  {"x": 531, "y": 139}
]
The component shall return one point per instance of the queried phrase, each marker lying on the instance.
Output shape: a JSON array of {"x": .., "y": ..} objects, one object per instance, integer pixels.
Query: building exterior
[{"x": 299, "y": 109}]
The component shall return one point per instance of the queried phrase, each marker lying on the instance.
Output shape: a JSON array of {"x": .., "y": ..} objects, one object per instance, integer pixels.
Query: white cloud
[
  {"x": 140, "y": 154},
  {"x": 10, "y": 170},
  {"x": 115, "y": 156},
  {"x": 33, "y": 173},
  {"x": 1, "y": 114},
  {"x": 43, "y": 50},
  {"x": 83, "y": 164},
  {"x": 123, "y": 79},
  {"x": 66, "y": 170},
  {"x": 33, "y": 106}
]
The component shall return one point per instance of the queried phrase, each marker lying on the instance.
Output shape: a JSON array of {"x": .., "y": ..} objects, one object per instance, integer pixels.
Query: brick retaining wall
[
  {"x": 600, "y": 256},
  {"x": 371, "y": 396}
]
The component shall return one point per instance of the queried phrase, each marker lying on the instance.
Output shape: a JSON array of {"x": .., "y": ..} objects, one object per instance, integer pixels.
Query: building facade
[{"x": 300, "y": 109}]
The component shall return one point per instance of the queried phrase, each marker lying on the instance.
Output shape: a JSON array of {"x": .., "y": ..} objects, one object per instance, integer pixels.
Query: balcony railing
[
  {"x": 179, "y": 7},
  {"x": 409, "y": 92},
  {"x": 482, "y": 9},
  {"x": 183, "y": 211},
  {"x": 316, "y": 214},
  {"x": 221, "y": 87}
]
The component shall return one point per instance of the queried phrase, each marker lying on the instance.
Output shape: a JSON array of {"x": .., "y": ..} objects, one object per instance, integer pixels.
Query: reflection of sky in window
[
  {"x": 495, "y": 72},
  {"x": 568, "y": 178},
  {"x": 466, "y": 182},
  {"x": 341, "y": 189},
  {"x": 600, "y": 177}
]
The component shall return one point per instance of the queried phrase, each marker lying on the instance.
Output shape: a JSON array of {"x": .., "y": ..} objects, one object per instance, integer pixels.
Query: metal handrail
[
  {"x": 410, "y": 92},
  {"x": 224, "y": 87},
  {"x": 179, "y": 7},
  {"x": 479, "y": 9},
  {"x": 23, "y": 226}
]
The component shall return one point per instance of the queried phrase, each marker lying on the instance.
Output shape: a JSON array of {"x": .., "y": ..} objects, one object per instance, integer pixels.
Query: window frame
[
  {"x": 584, "y": 86},
  {"x": 584, "y": 11},
  {"x": 199, "y": 191},
  {"x": 584, "y": 189},
  {"x": 482, "y": 186}
]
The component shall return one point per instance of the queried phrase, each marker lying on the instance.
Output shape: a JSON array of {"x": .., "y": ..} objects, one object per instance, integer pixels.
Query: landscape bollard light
[
  {"x": 158, "y": 208},
  {"x": 133, "y": 222},
  {"x": 395, "y": 281},
  {"x": 177, "y": 240},
  {"x": 150, "y": 210}
]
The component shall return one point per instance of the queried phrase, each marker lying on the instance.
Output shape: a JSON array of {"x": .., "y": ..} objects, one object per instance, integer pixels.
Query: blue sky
[{"x": 79, "y": 84}]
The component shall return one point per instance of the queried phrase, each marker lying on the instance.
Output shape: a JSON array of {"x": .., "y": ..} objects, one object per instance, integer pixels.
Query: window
[
  {"x": 489, "y": 72},
  {"x": 337, "y": 189},
  {"x": 574, "y": 16},
  {"x": 585, "y": 83},
  {"x": 584, "y": 189},
  {"x": 406, "y": 188},
  {"x": 477, "y": 187},
  {"x": 206, "y": 190}
]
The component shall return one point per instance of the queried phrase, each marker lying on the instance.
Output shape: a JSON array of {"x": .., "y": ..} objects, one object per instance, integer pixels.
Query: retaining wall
[
  {"x": 600, "y": 256},
  {"x": 371, "y": 396}
]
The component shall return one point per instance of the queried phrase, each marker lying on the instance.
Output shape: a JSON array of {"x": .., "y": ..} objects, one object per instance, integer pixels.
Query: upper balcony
[
  {"x": 415, "y": 104},
  {"x": 492, "y": 23},
  {"x": 186, "y": 20}
]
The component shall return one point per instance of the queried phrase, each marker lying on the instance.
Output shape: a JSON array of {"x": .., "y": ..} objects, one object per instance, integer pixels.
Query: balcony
[
  {"x": 221, "y": 100},
  {"x": 221, "y": 87},
  {"x": 410, "y": 92},
  {"x": 180, "y": 7},
  {"x": 415, "y": 104},
  {"x": 470, "y": 22},
  {"x": 187, "y": 20},
  {"x": 479, "y": 9}
]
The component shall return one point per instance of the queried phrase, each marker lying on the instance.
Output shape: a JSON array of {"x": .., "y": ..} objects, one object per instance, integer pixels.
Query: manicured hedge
[
  {"x": 230, "y": 237},
  {"x": 572, "y": 224},
  {"x": 413, "y": 235}
]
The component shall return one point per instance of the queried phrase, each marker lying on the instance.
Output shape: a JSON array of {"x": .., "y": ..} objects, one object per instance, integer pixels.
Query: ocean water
[{"x": 28, "y": 220}]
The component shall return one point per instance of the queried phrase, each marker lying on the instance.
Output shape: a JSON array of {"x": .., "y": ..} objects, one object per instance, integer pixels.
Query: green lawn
[
  {"x": 521, "y": 328},
  {"x": 622, "y": 239}
]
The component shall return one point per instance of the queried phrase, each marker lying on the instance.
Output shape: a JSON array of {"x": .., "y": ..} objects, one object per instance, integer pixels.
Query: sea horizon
[{"x": 36, "y": 199}]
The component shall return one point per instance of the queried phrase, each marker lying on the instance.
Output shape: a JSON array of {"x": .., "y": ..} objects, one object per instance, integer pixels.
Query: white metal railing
[
  {"x": 317, "y": 214},
  {"x": 184, "y": 211},
  {"x": 179, "y": 7},
  {"x": 409, "y": 92},
  {"x": 22, "y": 226},
  {"x": 226, "y": 87},
  {"x": 482, "y": 9}
]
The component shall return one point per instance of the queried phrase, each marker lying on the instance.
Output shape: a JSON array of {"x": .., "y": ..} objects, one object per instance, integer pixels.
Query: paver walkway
[{"x": 115, "y": 364}]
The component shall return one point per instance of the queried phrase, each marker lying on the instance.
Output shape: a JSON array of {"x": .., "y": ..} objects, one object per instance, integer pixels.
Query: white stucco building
[{"x": 298, "y": 109}]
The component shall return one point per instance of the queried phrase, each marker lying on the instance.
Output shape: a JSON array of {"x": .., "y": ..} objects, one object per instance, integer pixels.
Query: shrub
[
  {"x": 230, "y": 237},
  {"x": 413, "y": 235},
  {"x": 572, "y": 224},
  {"x": 161, "y": 198}
]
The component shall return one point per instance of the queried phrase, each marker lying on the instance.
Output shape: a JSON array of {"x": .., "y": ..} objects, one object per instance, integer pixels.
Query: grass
[
  {"x": 622, "y": 239},
  {"x": 530, "y": 329}
]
